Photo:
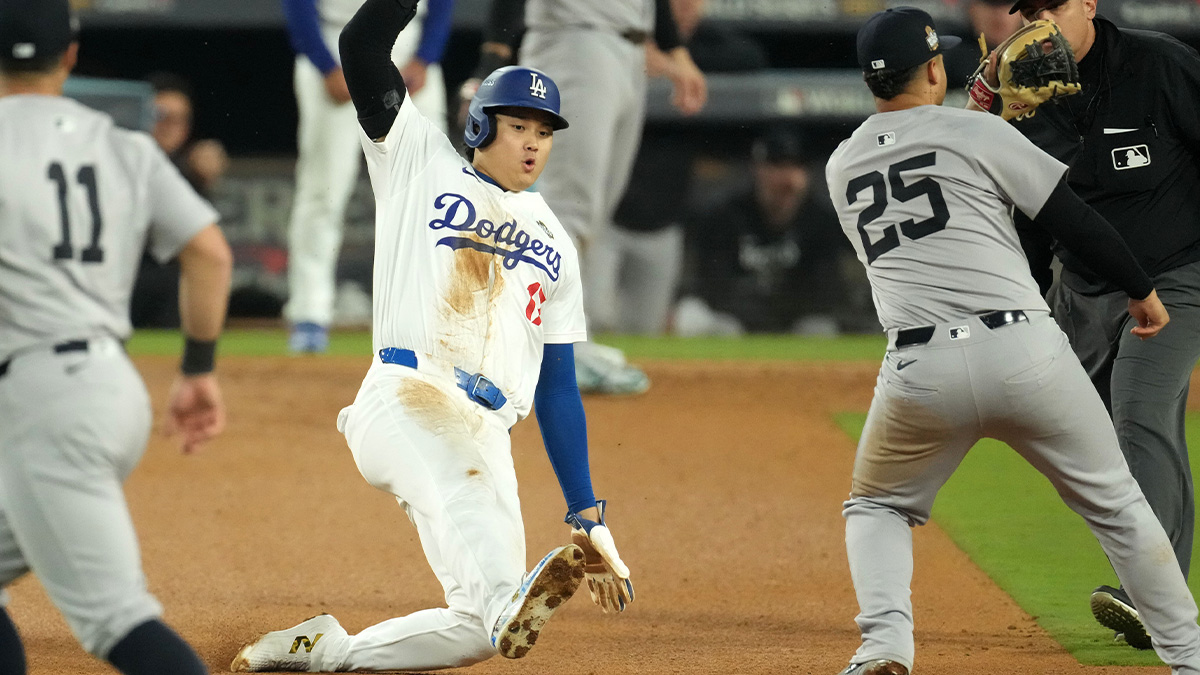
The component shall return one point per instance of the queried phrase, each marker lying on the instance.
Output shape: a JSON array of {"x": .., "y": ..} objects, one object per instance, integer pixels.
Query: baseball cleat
[
  {"x": 878, "y": 667},
  {"x": 1114, "y": 610},
  {"x": 551, "y": 583},
  {"x": 308, "y": 338},
  {"x": 300, "y": 648}
]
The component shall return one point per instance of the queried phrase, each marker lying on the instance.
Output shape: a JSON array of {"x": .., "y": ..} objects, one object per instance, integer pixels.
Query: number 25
[{"x": 926, "y": 187}]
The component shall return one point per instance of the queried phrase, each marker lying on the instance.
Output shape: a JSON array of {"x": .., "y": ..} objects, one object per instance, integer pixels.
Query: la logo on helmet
[{"x": 537, "y": 87}]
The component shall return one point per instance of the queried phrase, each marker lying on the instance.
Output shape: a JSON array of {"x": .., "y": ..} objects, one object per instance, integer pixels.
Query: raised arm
[{"x": 375, "y": 85}]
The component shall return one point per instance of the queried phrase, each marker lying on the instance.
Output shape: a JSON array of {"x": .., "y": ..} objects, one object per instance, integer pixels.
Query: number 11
[{"x": 86, "y": 178}]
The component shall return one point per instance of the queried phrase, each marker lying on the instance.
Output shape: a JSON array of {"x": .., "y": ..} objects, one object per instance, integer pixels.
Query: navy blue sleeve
[
  {"x": 304, "y": 31},
  {"x": 435, "y": 32},
  {"x": 666, "y": 31},
  {"x": 559, "y": 410}
]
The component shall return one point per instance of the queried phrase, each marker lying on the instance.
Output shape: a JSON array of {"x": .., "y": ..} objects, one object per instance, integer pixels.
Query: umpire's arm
[{"x": 376, "y": 87}]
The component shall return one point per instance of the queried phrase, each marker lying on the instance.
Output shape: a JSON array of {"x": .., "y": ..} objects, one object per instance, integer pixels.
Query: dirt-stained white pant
[
  {"x": 1020, "y": 384},
  {"x": 72, "y": 427},
  {"x": 448, "y": 461},
  {"x": 327, "y": 170}
]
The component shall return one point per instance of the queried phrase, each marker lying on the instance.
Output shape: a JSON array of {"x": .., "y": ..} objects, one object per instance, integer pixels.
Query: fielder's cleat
[
  {"x": 308, "y": 338},
  {"x": 302, "y": 648},
  {"x": 600, "y": 369},
  {"x": 1114, "y": 610},
  {"x": 551, "y": 583},
  {"x": 878, "y": 667}
]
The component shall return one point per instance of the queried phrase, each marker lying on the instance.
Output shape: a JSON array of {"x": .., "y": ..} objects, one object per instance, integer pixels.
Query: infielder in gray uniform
[
  {"x": 972, "y": 350},
  {"x": 79, "y": 201}
]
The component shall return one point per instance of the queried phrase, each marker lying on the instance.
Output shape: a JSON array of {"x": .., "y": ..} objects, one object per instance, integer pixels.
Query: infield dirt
[{"x": 725, "y": 483}]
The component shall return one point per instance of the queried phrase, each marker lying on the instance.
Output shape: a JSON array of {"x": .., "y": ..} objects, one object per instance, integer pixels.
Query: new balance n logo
[{"x": 303, "y": 641}]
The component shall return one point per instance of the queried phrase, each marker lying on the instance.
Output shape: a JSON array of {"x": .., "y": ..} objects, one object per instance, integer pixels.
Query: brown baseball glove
[{"x": 1034, "y": 65}]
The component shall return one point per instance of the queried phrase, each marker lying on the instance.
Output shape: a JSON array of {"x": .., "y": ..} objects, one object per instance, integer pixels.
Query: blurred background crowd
[{"x": 725, "y": 227}]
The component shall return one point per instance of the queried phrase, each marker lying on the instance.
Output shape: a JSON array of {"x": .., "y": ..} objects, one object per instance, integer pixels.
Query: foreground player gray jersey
[
  {"x": 80, "y": 199},
  {"x": 617, "y": 16},
  {"x": 923, "y": 195}
]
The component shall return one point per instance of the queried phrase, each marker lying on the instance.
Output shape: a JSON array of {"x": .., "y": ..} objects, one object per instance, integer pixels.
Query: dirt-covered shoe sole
[
  {"x": 1112, "y": 613},
  {"x": 550, "y": 585}
]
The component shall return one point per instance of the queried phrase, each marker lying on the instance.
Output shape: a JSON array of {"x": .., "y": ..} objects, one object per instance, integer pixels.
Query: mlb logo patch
[
  {"x": 960, "y": 333},
  {"x": 1131, "y": 157},
  {"x": 886, "y": 138}
]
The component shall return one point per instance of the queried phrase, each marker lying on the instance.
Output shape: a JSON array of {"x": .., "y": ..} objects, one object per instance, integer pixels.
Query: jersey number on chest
[
  {"x": 87, "y": 178},
  {"x": 926, "y": 187}
]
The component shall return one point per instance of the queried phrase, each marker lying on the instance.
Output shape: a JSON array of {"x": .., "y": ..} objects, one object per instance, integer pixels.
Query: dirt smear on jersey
[
  {"x": 475, "y": 284},
  {"x": 725, "y": 485}
]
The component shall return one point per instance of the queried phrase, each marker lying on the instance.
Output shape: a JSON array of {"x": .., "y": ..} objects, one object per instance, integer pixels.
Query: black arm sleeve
[
  {"x": 366, "y": 48},
  {"x": 1086, "y": 234},
  {"x": 1039, "y": 250},
  {"x": 506, "y": 22},
  {"x": 666, "y": 31}
]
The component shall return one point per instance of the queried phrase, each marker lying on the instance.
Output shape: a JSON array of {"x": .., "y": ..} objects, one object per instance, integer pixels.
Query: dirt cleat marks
[{"x": 551, "y": 584}]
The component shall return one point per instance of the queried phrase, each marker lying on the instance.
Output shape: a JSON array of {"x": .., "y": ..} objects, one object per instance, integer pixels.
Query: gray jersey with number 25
[
  {"x": 79, "y": 201},
  {"x": 925, "y": 196}
]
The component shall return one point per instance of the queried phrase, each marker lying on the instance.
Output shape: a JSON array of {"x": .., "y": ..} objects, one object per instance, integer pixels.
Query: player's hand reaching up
[
  {"x": 1150, "y": 314},
  {"x": 607, "y": 577},
  {"x": 196, "y": 412}
]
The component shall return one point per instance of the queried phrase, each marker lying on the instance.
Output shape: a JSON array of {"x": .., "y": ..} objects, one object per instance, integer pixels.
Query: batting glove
[{"x": 607, "y": 577}]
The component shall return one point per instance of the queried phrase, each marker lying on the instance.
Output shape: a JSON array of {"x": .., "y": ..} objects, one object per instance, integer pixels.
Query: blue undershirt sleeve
[
  {"x": 435, "y": 32},
  {"x": 304, "y": 31},
  {"x": 559, "y": 411}
]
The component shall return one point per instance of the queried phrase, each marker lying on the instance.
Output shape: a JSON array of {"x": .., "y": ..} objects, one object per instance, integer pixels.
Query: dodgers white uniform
[
  {"x": 466, "y": 275},
  {"x": 79, "y": 201},
  {"x": 928, "y": 209},
  {"x": 327, "y": 168}
]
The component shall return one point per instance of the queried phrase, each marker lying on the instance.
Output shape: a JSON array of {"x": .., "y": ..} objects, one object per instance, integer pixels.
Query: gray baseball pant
[
  {"x": 1022, "y": 385},
  {"x": 1144, "y": 385},
  {"x": 601, "y": 77},
  {"x": 72, "y": 428}
]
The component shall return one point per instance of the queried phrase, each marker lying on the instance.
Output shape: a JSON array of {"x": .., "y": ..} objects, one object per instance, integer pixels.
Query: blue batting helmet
[{"x": 510, "y": 87}]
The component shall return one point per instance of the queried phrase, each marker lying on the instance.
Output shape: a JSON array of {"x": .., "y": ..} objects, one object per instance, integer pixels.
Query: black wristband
[{"x": 199, "y": 356}]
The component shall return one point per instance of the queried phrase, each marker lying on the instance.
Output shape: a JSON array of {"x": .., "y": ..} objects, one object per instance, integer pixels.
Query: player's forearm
[
  {"x": 560, "y": 416},
  {"x": 206, "y": 268},
  {"x": 1092, "y": 239},
  {"x": 375, "y": 85}
]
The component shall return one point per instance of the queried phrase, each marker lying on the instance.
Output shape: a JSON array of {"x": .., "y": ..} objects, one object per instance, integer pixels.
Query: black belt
[
  {"x": 60, "y": 348},
  {"x": 922, "y": 334},
  {"x": 635, "y": 36}
]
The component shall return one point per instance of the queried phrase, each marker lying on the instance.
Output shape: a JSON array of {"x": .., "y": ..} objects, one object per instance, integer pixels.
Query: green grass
[
  {"x": 1011, "y": 523},
  {"x": 268, "y": 342}
]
